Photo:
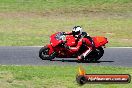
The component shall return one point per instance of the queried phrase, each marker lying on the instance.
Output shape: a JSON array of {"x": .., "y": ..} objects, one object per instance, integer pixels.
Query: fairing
[
  {"x": 70, "y": 41},
  {"x": 99, "y": 41},
  {"x": 53, "y": 41}
]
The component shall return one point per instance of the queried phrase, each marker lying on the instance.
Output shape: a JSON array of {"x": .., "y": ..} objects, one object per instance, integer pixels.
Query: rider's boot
[{"x": 82, "y": 56}]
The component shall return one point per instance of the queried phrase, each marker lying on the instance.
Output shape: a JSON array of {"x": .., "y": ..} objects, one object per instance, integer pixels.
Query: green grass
[
  {"x": 41, "y": 5},
  {"x": 55, "y": 76},
  {"x": 31, "y": 22},
  {"x": 36, "y": 31}
]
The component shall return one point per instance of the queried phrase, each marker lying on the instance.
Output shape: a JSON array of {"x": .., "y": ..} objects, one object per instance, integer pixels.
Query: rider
[{"x": 81, "y": 37}]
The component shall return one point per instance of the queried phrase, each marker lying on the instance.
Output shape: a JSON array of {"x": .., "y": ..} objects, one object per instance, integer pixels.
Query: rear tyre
[
  {"x": 95, "y": 55},
  {"x": 44, "y": 53}
]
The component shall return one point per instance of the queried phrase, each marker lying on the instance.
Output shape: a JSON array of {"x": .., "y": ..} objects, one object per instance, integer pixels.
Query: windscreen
[{"x": 60, "y": 36}]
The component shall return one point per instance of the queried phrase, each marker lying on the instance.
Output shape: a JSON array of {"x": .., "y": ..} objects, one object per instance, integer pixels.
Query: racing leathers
[{"x": 83, "y": 38}]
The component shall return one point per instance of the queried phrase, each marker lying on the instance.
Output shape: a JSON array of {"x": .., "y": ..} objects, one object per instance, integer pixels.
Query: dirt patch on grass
[
  {"x": 18, "y": 14},
  {"x": 66, "y": 13}
]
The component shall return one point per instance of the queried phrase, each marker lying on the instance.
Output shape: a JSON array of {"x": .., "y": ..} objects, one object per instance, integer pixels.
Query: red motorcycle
[{"x": 59, "y": 43}]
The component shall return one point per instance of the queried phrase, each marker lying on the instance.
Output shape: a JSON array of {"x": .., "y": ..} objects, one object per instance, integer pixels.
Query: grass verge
[
  {"x": 55, "y": 76},
  {"x": 28, "y": 23}
]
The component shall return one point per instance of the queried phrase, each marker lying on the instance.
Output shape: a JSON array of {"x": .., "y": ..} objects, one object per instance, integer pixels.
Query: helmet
[{"x": 77, "y": 31}]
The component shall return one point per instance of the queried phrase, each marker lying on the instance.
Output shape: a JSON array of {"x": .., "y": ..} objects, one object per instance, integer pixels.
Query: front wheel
[{"x": 44, "y": 53}]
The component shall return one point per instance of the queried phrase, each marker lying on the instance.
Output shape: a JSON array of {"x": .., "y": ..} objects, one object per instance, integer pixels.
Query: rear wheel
[
  {"x": 44, "y": 53},
  {"x": 95, "y": 55}
]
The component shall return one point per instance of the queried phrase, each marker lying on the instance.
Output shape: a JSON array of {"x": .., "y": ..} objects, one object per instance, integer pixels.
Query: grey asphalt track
[{"x": 29, "y": 56}]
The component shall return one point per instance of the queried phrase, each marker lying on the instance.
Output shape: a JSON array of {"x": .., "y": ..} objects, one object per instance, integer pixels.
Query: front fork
[{"x": 51, "y": 50}]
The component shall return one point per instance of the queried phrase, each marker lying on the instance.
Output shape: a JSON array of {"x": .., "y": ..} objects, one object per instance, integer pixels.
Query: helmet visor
[{"x": 75, "y": 33}]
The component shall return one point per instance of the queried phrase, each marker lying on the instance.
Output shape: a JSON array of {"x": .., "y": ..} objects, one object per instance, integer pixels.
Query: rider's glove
[{"x": 63, "y": 33}]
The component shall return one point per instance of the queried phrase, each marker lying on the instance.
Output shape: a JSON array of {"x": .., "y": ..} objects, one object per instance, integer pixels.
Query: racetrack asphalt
[{"x": 24, "y": 55}]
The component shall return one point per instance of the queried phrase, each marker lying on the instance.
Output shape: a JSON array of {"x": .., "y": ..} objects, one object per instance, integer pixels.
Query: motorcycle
[{"x": 59, "y": 43}]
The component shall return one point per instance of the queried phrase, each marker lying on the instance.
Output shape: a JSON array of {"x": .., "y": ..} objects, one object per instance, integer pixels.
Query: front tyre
[{"x": 44, "y": 53}]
